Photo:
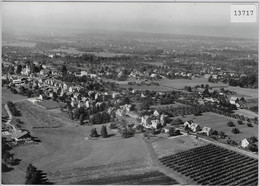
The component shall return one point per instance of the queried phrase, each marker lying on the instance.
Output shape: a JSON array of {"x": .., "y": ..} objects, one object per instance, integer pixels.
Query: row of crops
[
  {"x": 213, "y": 165},
  {"x": 146, "y": 178},
  {"x": 38, "y": 117}
]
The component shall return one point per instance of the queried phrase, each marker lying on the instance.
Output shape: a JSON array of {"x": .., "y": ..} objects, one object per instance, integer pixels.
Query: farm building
[
  {"x": 188, "y": 123},
  {"x": 245, "y": 142},
  {"x": 156, "y": 113},
  {"x": 146, "y": 121},
  {"x": 206, "y": 130},
  {"x": 155, "y": 123},
  {"x": 195, "y": 127},
  {"x": 233, "y": 100}
]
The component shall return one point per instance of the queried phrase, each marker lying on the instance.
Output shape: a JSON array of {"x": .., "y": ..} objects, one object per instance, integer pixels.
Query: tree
[
  {"x": 222, "y": 135},
  {"x": 249, "y": 125},
  {"x": 254, "y": 139},
  {"x": 32, "y": 175},
  {"x": 104, "y": 131},
  {"x": 240, "y": 122},
  {"x": 230, "y": 124},
  {"x": 235, "y": 130},
  {"x": 63, "y": 70},
  {"x": 94, "y": 133},
  {"x": 214, "y": 132},
  {"x": 253, "y": 147},
  {"x": 18, "y": 69}
]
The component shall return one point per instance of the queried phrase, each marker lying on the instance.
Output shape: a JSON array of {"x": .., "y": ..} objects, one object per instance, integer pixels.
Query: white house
[
  {"x": 146, "y": 121},
  {"x": 195, "y": 127},
  {"x": 187, "y": 123},
  {"x": 120, "y": 112},
  {"x": 155, "y": 123},
  {"x": 156, "y": 113},
  {"x": 163, "y": 117},
  {"x": 206, "y": 130},
  {"x": 233, "y": 100},
  {"x": 245, "y": 142}
]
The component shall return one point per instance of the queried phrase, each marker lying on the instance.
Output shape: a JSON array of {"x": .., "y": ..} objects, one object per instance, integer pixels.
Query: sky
[{"x": 209, "y": 19}]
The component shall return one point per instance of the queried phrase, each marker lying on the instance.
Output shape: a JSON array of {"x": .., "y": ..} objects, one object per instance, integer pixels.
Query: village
[{"x": 88, "y": 99}]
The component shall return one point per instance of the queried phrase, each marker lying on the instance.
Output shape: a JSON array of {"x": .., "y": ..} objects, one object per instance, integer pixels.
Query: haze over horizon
[{"x": 204, "y": 19}]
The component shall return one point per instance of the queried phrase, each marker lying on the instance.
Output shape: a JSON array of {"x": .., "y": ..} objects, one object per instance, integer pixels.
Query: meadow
[
  {"x": 166, "y": 146},
  {"x": 219, "y": 123}
]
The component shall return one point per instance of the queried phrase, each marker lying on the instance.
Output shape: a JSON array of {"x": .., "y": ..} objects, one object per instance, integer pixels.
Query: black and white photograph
[{"x": 129, "y": 93}]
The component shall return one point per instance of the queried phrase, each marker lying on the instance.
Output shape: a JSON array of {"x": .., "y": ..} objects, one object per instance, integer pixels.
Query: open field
[
  {"x": 219, "y": 123},
  {"x": 246, "y": 113},
  {"x": 181, "y": 83},
  {"x": 68, "y": 50},
  {"x": 247, "y": 93},
  {"x": 107, "y": 54},
  {"x": 50, "y": 104},
  {"x": 35, "y": 116},
  {"x": 214, "y": 165},
  {"x": 165, "y": 146},
  {"x": 146, "y": 87},
  {"x": 67, "y": 158},
  {"x": 7, "y": 95},
  {"x": 167, "y": 105},
  {"x": 19, "y": 44}
]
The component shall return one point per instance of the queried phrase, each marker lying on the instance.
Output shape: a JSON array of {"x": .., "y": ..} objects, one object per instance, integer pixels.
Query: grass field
[
  {"x": 50, "y": 104},
  {"x": 246, "y": 113},
  {"x": 181, "y": 83},
  {"x": 35, "y": 116},
  {"x": 63, "y": 152},
  {"x": 165, "y": 146},
  {"x": 19, "y": 44},
  {"x": 219, "y": 123},
  {"x": 7, "y": 95},
  {"x": 247, "y": 93}
]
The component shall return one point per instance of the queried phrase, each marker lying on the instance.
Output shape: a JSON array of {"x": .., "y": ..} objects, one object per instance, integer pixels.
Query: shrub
[
  {"x": 240, "y": 122},
  {"x": 113, "y": 126},
  {"x": 230, "y": 124},
  {"x": 235, "y": 130},
  {"x": 94, "y": 133},
  {"x": 249, "y": 125},
  {"x": 231, "y": 142}
]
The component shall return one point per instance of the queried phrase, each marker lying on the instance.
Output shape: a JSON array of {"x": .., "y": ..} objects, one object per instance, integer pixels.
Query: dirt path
[{"x": 159, "y": 166}]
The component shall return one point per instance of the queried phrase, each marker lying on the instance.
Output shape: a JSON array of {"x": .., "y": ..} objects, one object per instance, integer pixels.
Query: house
[
  {"x": 163, "y": 118},
  {"x": 19, "y": 136},
  {"x": 195, "y": 127},
  {"x": 245, "y": 142},
  {"x": 206, "y": 130},
  {"x": 155, "y": 123},
  {"x": 115, "y": 94},
  {"x": 156, "y": 113},
  {"x": 40, "y": 97},
  {"x": 234, "y": 100},
  {"x": 187, "y": 123},
  {"x": 126, "y": 107},
  {"x": 120, "y": 112},
  {"x": 146, "y": 121},
  {"x": 166, "y": 129}
]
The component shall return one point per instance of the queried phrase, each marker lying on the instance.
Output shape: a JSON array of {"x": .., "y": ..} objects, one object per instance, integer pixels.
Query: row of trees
[{"x": 103, "y": 132}]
